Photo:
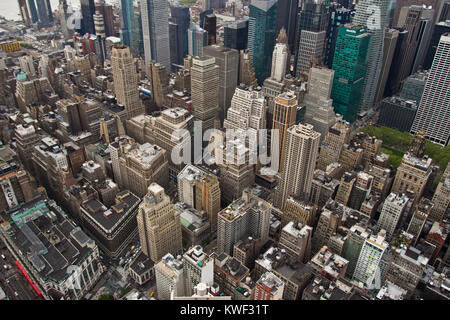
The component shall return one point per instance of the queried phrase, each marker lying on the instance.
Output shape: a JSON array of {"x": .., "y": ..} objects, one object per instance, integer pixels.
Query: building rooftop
[
  {"x": 271, "y": 281},
  {"x": 141, "y": 264},
  {"x": 110, "y": 218},
  {"x": 51, "y": 242}
]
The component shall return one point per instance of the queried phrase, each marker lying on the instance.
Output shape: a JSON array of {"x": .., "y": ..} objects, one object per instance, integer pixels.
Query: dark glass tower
[
  {"x": 178, "y": 30},
  {"x": 88, "y": 11},
  {"x": 350, "y": 67},
  {"x": 45, "y": 14},
  {"x": 236, "y": 35},
  {"x": 210, "y": 25},
  {"x": 126, "y": 17},
  {"x": 338, "y": 16},
  {"x": 261, "y": 36},
  {"x": 287, "y": 13}
]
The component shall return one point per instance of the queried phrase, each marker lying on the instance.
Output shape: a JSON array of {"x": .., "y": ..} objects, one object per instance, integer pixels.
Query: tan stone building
[
  {"x": 298, "y": 210},
  {"x": 126, "y": 80},
  {"x": 159, "y": 224},
  {"x": 136, "y": 166},
  {"x": 284, "y": 115},
  {"x": 441, "y": 197}
]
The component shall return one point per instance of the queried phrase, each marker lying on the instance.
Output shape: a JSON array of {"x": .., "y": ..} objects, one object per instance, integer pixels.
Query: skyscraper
[
  {"x": 197, "y": 39},
  {"x": 158, "y": 224},
  {"x": 284, "y": 116},
  {"x": 155, "y": 29},
  {"x": 319, "y": 107},
  {"x": 126, "y": 80},
  {"x": 261, "y": 35},
  {"x": 433, "y": 111},
  {"x": 180, "y": 18},
  {"x": 311, "y": 34},
  {"x": 350, "y": 65},
  {"x": 63, "y": 12},
  {"x": 45, "y": 14},
  {"x": 247, "y": 111},
  {"x": 205, "y": 90},
  {"x": 24, "y": 12},
  {"x": 287, "y": 19},
  {"x": 88, "y": 11},
  {"x": 302, "y": 146},
  {"x": 126, "y": 18},
  {"x": 390, "y": 43},
  {"x": 375, "y": 27},
  {"x": 441, "y": 197},
  {"x": 338, "y": 17},
  {"x": 210, "y": 25},
  {"x": 228, "y": 61},
  {"x": 279, "y": 62},
  {"x": 235, "y": 35}
]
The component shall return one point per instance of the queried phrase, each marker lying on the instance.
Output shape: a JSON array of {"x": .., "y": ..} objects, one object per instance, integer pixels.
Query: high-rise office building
[
  {"x": 311, "y": 33},
  {"x": 397, "y": 113},
  {"x": 319, "y": 107},
  {"x": 295, "y": 238},
  {"x": 279, "y": 62},
  {"x": 106, "y": 10},
  {"x": 375, "y": 27},
  {"x": 155, "y": 30},
  {"x": 99, "y": 24},
  {"x": 247, "y": 111},
  {"x": 126, "y": 18},
  {"x": 339, "y": 16},
  {"x": 126, "y": 80},
  {"x": 302, "y": 146},
  {"x": 249, "y": 215},
  {"x": 287, "y": 11},
  {"x": 389, "y": 49},
  {"x": 34, "y": 17},
  {"x": 228, "y": 61},
  {"x": 417, "y": 22},
  {"x": 367, "y": 268},
  {"x": 236, "y": 170},
  {"x": 87, "y": 12},
  {"x": 136, "y": 166},
  {"x": 394, "y": 207},
  {"x": 180, "y": 18},
  {"x": 197, "y": 39},
  {"x": 24, "y": 12},
  {"x": 45, "y": 14},
  {"x": 350, "y": 66},
  {"x": 200, "y": 189},
  {"x": 246, "y": 71},
  {"x": 284, "y": 116},
  {"x": 433, "y": 111},
  {"x": 205, "y": 90},
  {"x": 440, "y": 28},
  {"x": 261, "y": 35},
  {"x": 210, "y": 26},
  {"x": 235, "y": 34},
  {"x": 158, "y": 224}
]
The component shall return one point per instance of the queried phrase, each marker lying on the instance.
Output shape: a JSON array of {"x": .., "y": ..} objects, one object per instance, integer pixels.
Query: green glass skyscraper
[
  {"x": 350, "y": 66},
  {"x": 261, "y": 36}
]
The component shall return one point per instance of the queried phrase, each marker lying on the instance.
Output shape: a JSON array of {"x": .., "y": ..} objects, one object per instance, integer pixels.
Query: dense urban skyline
[{"x": 225, "y": 150}]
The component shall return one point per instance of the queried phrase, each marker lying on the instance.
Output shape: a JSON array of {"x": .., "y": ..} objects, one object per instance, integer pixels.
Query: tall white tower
[
  {"x": 433, "y": 113},
  {"x": 374, "y": 15},
  {"x": 279, "y": 61}
]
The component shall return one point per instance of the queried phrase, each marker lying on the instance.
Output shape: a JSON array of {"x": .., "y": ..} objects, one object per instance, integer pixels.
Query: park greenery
[
  {"x": 187, "y": 3},
  {"x": 396, "y": 143}
]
